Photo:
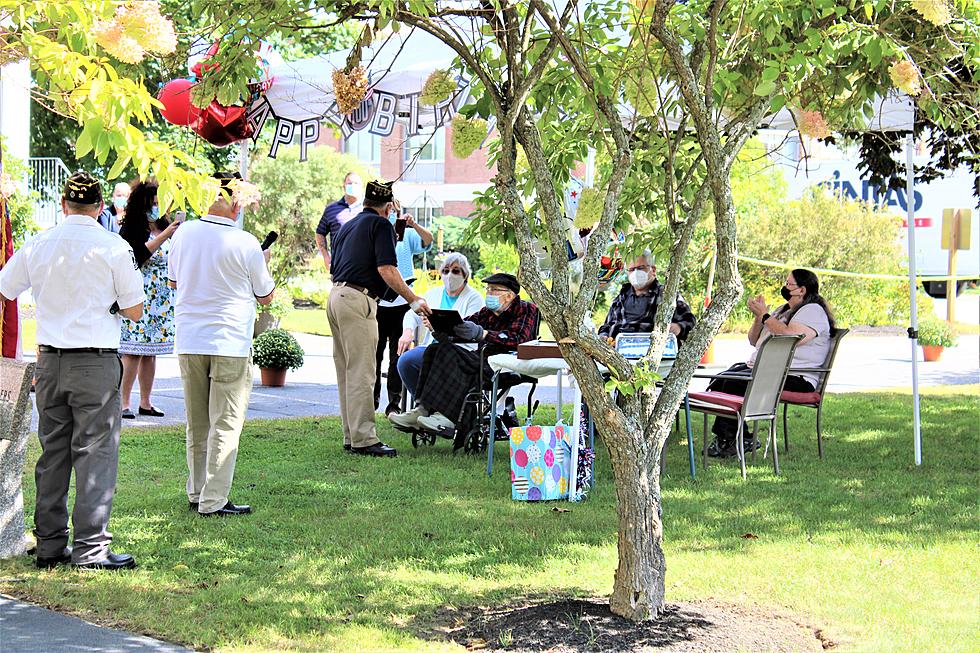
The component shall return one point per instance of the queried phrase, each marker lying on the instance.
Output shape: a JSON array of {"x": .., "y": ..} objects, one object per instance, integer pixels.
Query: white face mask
[
  {"x": 639, "y": 278},
  {"x": 453, "y": 282}
]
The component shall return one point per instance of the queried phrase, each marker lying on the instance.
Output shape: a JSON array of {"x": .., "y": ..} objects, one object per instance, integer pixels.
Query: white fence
[{"x": 47, "y": 179}]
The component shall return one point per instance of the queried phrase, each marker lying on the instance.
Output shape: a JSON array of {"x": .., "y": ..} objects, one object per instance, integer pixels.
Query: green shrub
[
  {"x": 936, "y": 332},
  {"x": 277, "y": 308},
  {"x": 824, "y": 231},
  {"x": 277, "y": 349},
  {"x": 294, "y": 195}
]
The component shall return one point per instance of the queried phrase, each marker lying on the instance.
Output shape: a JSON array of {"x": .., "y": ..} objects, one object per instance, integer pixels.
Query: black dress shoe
[
  {"x": 193, "y": 506},
  {"x": 346, "y": 447},
  {"x": 128, "y": 414},
  {"x": 151, "y": 411},
  {"x": 376, "y": 449},
  {"x": 52, "y": 562},
  {"x": 229, "y": 510},
  {"x": 112, "y": 562}
]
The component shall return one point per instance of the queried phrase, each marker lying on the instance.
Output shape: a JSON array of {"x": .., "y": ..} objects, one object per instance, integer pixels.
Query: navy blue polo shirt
[
  {"x": 364, "y": 243},
  {"x": 334, "y": 217}
]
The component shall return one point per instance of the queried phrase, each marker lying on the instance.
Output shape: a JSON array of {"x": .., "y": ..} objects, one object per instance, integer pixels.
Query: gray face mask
[{"x": 639, "y": 278}]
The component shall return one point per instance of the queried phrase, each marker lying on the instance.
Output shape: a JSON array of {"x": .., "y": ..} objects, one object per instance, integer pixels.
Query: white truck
[{"x": 954, "y": 191}]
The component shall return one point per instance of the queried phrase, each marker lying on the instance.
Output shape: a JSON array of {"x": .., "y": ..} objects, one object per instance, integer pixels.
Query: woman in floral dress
[{"x": 153, "y": 335}]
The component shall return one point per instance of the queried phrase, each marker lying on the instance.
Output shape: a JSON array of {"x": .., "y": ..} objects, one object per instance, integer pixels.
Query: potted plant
[
  {"x": 269, "y": 315},
  {"x": 934, "y": 335},
  {"x": 275, "y": 351}
]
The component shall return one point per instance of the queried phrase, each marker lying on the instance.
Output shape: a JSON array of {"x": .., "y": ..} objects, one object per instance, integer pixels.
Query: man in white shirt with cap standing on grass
[{"x": 84, "y": 279}]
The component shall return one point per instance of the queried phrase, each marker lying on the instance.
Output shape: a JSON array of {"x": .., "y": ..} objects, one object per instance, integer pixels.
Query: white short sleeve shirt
[
  {"x": 76, "y": 271},
  {"x": 219, "y": 271}
]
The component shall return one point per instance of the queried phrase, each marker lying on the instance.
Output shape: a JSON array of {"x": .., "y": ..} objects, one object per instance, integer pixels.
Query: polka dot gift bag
[{"x": 540, "y": 459}]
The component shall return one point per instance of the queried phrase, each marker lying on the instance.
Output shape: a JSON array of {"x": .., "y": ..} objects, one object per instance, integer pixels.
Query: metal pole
[
  {"x": 243, "y": 171},
  {"x": 914, "y": 328}
]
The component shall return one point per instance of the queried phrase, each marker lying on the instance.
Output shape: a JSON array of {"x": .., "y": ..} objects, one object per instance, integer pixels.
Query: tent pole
[{"x": 914, "y": 328}]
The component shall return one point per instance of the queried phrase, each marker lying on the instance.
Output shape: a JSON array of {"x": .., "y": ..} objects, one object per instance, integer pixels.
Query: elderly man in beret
[
  {"x": 450, "y": 371},
  {"x": 84, "y": 280},
  {"x": 365, "y": 270}
]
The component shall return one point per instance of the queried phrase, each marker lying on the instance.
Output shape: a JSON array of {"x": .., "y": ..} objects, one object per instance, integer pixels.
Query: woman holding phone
[{"x": 153, "y": 335}]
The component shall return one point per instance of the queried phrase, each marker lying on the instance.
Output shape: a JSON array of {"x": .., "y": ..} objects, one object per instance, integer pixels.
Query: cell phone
[
  {"x": 180, "y": 216},
  {"x": 400, "y": 224}
]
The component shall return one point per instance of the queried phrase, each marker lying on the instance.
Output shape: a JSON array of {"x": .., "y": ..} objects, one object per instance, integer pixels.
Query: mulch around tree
[{"x": 587, "y": 626}]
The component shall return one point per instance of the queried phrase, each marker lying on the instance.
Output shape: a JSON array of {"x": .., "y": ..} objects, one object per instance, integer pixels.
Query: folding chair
[
  {"x": 761, "y": 398},
  {"x": 812, "y": 399}
]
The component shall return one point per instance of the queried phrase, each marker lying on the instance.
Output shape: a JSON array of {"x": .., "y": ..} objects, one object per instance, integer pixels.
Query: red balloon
[
  {"x": 176, "y": 98},
  {"x": 221, "y": 126}
]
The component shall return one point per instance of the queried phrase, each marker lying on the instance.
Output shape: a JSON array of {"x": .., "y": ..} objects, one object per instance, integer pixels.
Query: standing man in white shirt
[
  {"x": 78, "y": 272},
  {"x": 219, "y": 272}
]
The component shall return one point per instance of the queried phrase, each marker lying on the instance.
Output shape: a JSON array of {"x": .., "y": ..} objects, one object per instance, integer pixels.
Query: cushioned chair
[
  {"x": 812, "y": 399},
  {"x": 761, "y": 398}
]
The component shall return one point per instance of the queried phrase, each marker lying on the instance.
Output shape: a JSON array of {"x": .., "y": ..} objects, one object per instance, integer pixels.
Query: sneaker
[
  {"x": 408, "y": 421},
  {"x": 716, "y": 448},
  {"x": 436, "y": 422}
]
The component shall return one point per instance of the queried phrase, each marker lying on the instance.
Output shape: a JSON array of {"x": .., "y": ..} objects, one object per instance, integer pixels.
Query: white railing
[{"x": 47, "y": 179}]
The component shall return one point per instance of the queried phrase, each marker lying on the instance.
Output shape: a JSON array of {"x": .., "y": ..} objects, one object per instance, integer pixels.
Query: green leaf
[
  {"x": 770, "y": 74},
  {"x": 873, "y": 52},
  {"x": 777, "y": 103},
  {"x": 764, "y": 88}
]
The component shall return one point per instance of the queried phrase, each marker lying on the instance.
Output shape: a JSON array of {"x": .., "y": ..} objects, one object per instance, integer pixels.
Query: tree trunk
[{"x": 638, "y": 589}]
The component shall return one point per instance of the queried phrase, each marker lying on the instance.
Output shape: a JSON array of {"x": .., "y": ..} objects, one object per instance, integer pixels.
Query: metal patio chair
[{"x": 761, "y": 398}]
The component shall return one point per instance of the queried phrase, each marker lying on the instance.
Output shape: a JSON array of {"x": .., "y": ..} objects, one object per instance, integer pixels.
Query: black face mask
[{"x": 784, "y": 291}]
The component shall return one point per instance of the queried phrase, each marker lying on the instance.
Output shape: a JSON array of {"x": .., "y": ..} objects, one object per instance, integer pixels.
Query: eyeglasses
[
  {"x": 638, "y": 267},
  {"x": 792, "y": 285},
  {"x": 456, "y": 271}
]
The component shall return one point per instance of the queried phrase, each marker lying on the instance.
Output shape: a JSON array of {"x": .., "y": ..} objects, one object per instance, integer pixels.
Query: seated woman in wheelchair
[
  {"x": 456, "y": 294},
  {"x": 450, "y": 371},
  {"x": 805, "y": 313}
]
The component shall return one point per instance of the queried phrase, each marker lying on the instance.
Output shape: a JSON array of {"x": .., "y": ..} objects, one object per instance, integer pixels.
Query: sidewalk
[
  {"x": 26, "y": 628},
  {"x": 864, "y": 362}
]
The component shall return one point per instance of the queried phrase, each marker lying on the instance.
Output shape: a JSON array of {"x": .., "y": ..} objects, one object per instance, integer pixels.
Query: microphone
[
  {"x": 114, "y": 308},
  {"x": 270, "y": 238}
]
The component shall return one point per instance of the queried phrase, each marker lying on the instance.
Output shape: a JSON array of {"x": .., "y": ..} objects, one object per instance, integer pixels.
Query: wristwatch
[{"x": 765, "y": 317}]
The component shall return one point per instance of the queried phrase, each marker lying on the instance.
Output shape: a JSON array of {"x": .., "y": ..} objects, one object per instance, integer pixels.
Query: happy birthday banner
[{"x": 377, "y": 113}]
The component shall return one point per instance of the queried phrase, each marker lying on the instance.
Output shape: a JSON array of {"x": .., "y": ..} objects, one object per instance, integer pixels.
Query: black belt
[
  {"x": 48, "y": 349},
  {"x": 360, "y": 289}
]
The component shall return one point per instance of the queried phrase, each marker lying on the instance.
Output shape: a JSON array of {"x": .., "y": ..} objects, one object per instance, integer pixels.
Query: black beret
[
  {"x": 379, "y": 191},
  {"x": 508, "y": 281},
  {"x": 83, "y": 188}
]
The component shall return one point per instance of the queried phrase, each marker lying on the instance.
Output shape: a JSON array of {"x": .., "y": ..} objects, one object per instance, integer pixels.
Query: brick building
[{"x": 436, "y": 183}]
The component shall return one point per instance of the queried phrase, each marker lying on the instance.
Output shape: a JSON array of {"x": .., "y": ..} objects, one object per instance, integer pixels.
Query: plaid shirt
[
  {"x": 515, "y": 325},
  {"x": 618, "y": 322}
]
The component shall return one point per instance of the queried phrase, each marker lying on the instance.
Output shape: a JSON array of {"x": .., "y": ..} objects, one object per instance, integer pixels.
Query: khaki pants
[
  {"x": 78, "y": 426},
  {"x": 353, "y": 322},
  {"x": 216, "y": 392}
]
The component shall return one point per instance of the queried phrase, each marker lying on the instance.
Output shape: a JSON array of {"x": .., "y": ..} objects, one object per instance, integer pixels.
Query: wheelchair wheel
[
  {"x": 477, "y": 438},
  {"x": 423, "y": 438}
]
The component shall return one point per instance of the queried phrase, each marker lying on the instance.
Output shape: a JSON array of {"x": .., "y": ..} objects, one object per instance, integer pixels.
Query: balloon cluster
[{"x": 217, "y": 124}]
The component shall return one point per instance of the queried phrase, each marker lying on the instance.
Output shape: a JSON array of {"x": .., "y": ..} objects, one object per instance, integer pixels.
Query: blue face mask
[
  {"x": 155, "y": 213},
  {"x": 392, "y": 217},
  {"x": 493, "y": 302}
]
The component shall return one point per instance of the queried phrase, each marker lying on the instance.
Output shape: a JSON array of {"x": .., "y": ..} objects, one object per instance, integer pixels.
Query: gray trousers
[{"x": 78, "y": 425}]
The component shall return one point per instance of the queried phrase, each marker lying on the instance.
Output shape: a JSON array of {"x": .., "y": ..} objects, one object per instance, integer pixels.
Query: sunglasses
[{"x": 455, "y": 271}]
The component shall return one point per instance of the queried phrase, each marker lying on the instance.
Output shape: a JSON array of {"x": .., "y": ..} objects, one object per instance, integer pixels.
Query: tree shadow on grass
[{"x": 342, "y": 545}]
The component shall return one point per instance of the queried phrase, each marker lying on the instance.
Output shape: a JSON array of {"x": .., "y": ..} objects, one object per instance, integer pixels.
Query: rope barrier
[{"x": 853, "y": 275}]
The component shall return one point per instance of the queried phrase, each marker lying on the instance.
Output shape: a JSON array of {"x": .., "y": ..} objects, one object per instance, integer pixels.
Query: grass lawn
[
  {"x": 306, "y": 320},
  {"x": 346, "y": 554}
]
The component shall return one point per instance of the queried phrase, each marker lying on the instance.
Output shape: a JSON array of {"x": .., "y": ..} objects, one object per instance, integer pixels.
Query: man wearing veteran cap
[
  {"x": 219, "y": 272},
  {"x": 364, "y": 269},
  {"x": 449, "y": 372},
  {"x": 77, "y": 271}
]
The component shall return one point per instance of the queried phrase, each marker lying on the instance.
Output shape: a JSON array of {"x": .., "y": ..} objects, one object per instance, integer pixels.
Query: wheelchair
[
  {"x": 473, "y": 423},
  {"x": 479, "y": 410}
]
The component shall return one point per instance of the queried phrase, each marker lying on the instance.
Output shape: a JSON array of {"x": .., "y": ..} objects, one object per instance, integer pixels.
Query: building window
[
  {"x": 365, "y": 146},
  {"x": 424, "y": 216},
  {"x": 430, "y": 148}
]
